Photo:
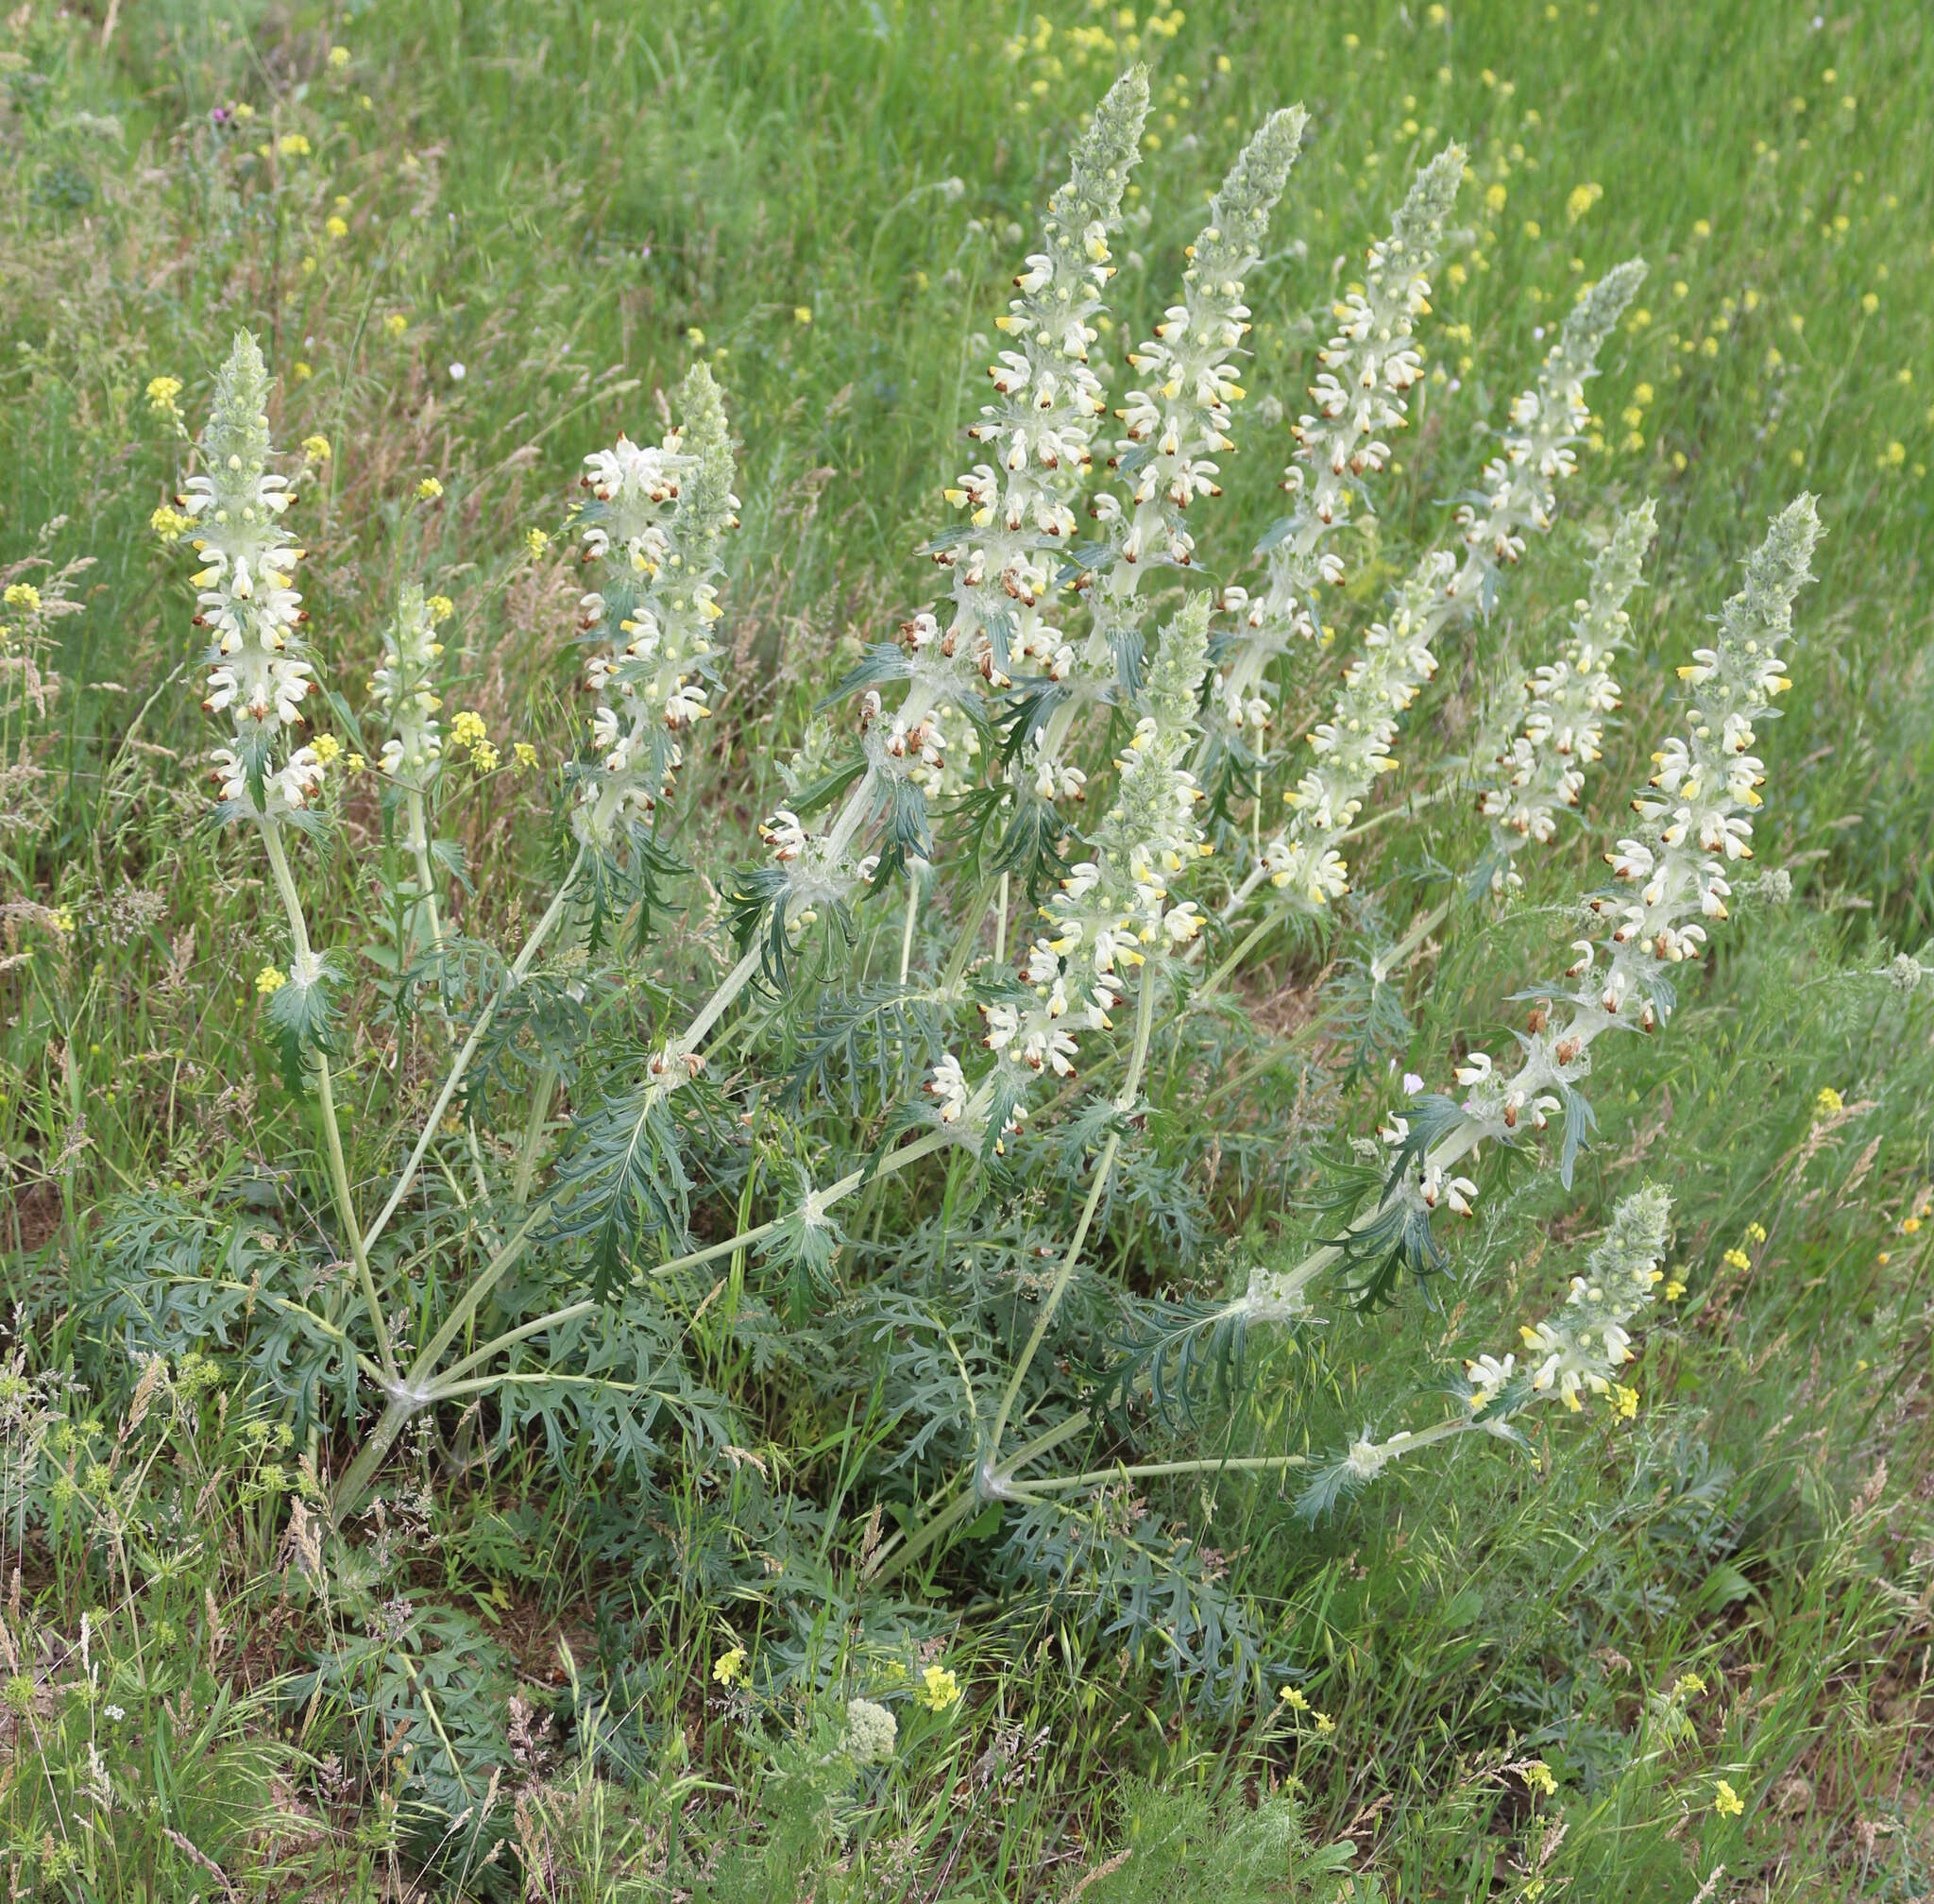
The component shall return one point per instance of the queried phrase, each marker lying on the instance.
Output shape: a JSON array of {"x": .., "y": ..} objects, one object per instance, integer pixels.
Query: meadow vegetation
[{"x": 867, "y": 1147}]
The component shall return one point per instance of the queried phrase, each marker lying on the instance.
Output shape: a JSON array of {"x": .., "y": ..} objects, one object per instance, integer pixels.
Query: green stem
[
  {"x": 370, "y": 1456},
  {"x": 1445, "y": 1154},
  {"x": 426, "y": 886},
  {"x": 541, "y": 932},
  {"x": 1388, "y": 962},
  {"x": 471, "y": 1299},
  {"x": 1151, "y": 1471},
  {"x": 1125, "y": 1099},
  {"x": 535, "y": 1125},
  {"x": 557, "y": 1318},
  {"x": 912, "y": 920},
  {"x": 1215, "y": 979},
  {"x": 962, "y": 954},
  {"x": 332, "y": 1136},
  {"x": 420, "y": 1392}
]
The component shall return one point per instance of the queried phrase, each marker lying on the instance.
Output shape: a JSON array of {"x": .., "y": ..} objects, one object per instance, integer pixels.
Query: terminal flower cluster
[
  {"x": 1538, "y": 452},
  {"x": 1560, "y": 712},
  {"x": 401, "y": 689},
  {"x": 259, "y": 669},
  {"x": 1361, "y": 398},
  {"x": 1398, "y": 657},
  {"x": 1039, "y": 435},
  {"x": 654, "y": 527},
  {"x": 1582, "y": 1346},
  {"x": 1671, "y": 876},
  {"x": 1580, "y": 1349},
  {"x": 1177, "y": 425}
]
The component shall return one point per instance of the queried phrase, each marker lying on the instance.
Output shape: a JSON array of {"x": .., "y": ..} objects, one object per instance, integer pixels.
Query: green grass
[{"x": 575, "y": 201}]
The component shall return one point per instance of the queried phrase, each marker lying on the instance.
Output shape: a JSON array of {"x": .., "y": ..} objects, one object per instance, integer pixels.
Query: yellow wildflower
[
  {"x": 1293, "y": 1697},
  {"x": 441, "y": 607},
  {"x": 1532, "y": 228},
  {"x": 354, "y": 762},
  {"x": 1725, "y": 1801},
  {"x": 1829, "y": 1103},
  {"x": 338, "y": 56},
  {"x": 302, "y": 372},
  {"x": 1537, "y": 1775},
  {"x": 1624, "y": 1400},
  {"x": 1674, "y": 1290},
  {"x": 1325, "y": 1725},
  {"x": 536, "y": 541},
  {"x": 467, "y": 730},
  {"x": 335, "y": 226},
  {"x": 939, "y": 1690},
  {"x": 802, "y": 314},
  {"x": 429, "y": 489},
  {"x": 525, "y": 755},
  {"x": 22, "y": 595},
  {"x": 1736, "y": 1259},
  {"x": 730, "y": 1668},
  {"x": 395, "y": 323},
  {"x": 327, "y": 748},
  {"x": 170, "y": 524},
  {"x": 268, "y": 982},
  {"x": 161, "y": 392},
  {"x": 315, "y": 449},
  {"x": 1581, "y": 200},
  {"x": 1686, "y": 1684}
]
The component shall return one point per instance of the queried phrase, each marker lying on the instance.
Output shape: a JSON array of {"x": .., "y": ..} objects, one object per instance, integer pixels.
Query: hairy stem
[
  {"x": 1125, "y": 1099},
  {"x": 535, "y": 1125},
  {"x": 426, "y": 885},
  {"x": 540, "y": 932},
  {"x": 332, "y": 1132}
]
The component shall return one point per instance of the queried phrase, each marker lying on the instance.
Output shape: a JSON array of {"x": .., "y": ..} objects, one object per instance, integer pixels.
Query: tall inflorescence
[
  {"x": 1672, "y": 874},
  {"x": 401, "y": 688},
  {"x": 1361, "y": 398},
  {"x": 1176, "y": 424},
  {"x": 654, "y": 528},
  {"x": 1082, "y": 962},
  {"x": 259, "y": 669},
  {"x": 1560, "y": 712},
  {"x": 1580, "y": 1350},
  {"x": 1039, "y": 435},
  {"x": 1519, "y": 483},
  {"x": 1582, "y": 1346},
  {"x": 1173, "y": 428},
  {"x": 1352, "y": 748}
]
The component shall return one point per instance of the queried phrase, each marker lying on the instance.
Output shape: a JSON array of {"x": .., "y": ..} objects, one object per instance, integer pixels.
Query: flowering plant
[{"x": 1051, "y": 794}]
